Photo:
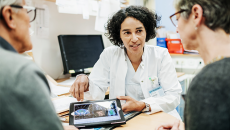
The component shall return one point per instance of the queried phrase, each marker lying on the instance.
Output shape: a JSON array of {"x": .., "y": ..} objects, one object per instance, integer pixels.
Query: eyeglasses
[
  {"x": 174, "y": 19},
  {"x": 32, "y": 11}
]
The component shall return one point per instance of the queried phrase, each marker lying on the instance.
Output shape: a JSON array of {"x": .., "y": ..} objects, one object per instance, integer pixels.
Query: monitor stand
[
  {"x": 80, "y": 71},
  {"x": 75, "y": 74}
]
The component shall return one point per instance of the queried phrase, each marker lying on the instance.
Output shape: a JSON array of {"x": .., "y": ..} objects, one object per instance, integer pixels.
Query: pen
[{"x": 152, "y": 80}]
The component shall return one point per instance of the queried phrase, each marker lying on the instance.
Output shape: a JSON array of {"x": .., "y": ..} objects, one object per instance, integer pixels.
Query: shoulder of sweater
[{"x": 13, "y": 64}]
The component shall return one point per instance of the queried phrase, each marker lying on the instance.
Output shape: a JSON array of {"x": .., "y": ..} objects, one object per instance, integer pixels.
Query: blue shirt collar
[{"x": 6, "y": 46}]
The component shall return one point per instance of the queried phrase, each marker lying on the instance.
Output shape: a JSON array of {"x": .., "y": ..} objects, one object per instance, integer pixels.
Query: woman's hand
[
  {"x": 80, "y": 85},
  {"x": 131, "y": 104},
  {"x": 170, "y": 126}
]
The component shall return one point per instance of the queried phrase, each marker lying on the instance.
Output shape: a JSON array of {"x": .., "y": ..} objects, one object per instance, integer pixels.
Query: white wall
[
  {"x": 47, "y": 52},
  {"x": 165, "y": 8}
]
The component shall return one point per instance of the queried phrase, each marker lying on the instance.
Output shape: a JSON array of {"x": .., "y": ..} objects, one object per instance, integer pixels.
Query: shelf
[
  {"x": 191, "y": 55},
  {"x": 179, "y": 74},
  {"x": 51, "y": 0}
]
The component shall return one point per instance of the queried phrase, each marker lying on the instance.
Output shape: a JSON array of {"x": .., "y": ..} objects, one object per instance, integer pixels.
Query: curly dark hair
[{"x": 148, "y": 18}]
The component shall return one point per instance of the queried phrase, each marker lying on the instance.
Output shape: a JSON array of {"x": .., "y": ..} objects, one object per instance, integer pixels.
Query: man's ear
[
  {"x": 197, "y": 15},
  {"x": 9, "y": 17}
]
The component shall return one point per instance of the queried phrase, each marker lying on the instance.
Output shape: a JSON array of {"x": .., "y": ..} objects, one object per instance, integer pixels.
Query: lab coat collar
[{"x": 143, "y": 55}]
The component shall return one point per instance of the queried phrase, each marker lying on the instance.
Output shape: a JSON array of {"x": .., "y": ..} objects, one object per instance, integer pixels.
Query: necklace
[{"x": 216, "y": 59}]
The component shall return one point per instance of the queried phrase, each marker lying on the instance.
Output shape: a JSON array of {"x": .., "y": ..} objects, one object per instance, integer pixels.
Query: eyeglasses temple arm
[{"x": 40, "y": 9}]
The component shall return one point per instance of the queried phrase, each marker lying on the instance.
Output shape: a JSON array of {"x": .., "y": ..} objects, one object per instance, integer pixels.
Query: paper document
[
  {"x": 100, "y": 23},
  {"x": 85, "y": 7},
  {"x": 66, "y": 2},
  {"x": 106, "y": 9},
  {"x": 68, "y": 82},
  {"x": 42, "y": 21},
  {"x": 62, "y": 104},
  {"x": 69, "y": 6},
  {"x": 86, "y": 10},
  {"x": 58, "y": 90}
]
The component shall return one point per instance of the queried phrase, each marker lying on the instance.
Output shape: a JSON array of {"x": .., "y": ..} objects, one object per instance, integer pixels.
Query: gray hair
[
  {"x": 216, "y": 12},
  {"x": 9, "y": 2}
]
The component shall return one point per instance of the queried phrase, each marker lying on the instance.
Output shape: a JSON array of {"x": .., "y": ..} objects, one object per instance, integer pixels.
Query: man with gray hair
[{"x": 24, "y": 91}]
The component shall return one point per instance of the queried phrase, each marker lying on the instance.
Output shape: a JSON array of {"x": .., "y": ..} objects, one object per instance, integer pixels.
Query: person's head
[
  {"x": 132, "y": 27},
  {"x": 15, "y": 24},
  {"x": 195, "y": 16}
]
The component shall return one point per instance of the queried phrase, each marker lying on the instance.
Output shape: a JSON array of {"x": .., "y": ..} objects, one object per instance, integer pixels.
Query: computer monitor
[{"x": 80, "y": 51}]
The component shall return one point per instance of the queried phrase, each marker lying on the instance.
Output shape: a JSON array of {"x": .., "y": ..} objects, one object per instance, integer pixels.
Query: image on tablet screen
[{"x": 96, "y": 112}]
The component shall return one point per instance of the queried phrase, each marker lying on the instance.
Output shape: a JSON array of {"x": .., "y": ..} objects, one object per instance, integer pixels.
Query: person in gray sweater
[
  {"x": 25, "y": 103},
  {"x": 204, "y": 25}
]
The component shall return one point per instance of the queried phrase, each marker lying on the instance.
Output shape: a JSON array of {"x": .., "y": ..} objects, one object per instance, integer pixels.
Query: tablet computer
[{"x": 93, "y": 114}]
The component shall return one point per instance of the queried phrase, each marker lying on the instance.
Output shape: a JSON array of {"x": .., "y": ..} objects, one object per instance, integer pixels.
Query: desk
[
  {"x": 61, "y": 80},
  {"x": 144, "y": 121},
  {"x": 148, "y": 122}
]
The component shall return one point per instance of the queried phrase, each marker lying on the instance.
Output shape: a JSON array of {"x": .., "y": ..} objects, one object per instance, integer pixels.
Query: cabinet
[
  {"x": 187, "y": 63},
  {"x": 51, "y": 0}
]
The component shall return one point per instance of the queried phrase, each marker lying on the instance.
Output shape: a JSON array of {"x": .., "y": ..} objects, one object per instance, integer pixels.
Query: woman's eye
[
  {"x": 139, "y": 31},
  {"x": 126, "y": 33}
]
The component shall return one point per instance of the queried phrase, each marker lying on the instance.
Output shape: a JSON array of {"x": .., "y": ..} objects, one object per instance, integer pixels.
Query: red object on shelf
[{"x": 174, "y": 47}]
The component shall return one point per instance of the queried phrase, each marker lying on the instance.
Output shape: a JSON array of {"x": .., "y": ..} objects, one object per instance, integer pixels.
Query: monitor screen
[{"x": 80, "y": 51}]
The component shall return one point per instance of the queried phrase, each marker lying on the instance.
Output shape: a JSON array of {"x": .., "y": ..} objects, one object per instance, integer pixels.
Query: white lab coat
[{"x": 111, "y": 68}]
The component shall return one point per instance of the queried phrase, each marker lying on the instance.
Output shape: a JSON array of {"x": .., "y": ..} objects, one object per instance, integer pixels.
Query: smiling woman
[
  {"x": 131, "y": 28},
  {"x": 148, "y": 19},
  {"x": 142, "y": 75}
]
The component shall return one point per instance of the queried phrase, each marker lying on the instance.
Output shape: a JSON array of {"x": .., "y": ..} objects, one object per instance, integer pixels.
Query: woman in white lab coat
[{"x": 141, "y": 74}]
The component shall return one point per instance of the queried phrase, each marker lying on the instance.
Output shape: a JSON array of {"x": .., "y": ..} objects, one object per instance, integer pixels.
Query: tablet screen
[{"x": 95, "y": 112}]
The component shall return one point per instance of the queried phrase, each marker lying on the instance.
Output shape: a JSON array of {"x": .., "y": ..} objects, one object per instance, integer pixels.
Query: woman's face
[
  {"x": 133, "y": 35},
  {"x": 188, "y": 34}
]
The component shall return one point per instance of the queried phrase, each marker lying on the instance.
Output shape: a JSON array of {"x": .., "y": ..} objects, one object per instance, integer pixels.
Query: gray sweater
[
  {"x": 24, "y": 94},
  {"x": 207, "y": 103}
]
